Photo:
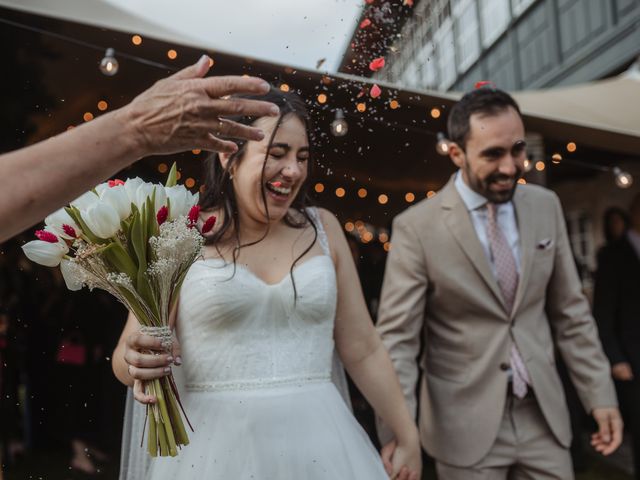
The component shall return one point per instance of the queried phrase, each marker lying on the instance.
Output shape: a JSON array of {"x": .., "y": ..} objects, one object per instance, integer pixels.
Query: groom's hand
[
  {"x": 189, "y": 111},
  {"x": 609, "y": 435}
]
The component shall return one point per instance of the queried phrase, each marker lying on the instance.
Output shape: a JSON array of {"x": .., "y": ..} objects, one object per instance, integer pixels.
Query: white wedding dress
[{"x": 257, "y": 379}]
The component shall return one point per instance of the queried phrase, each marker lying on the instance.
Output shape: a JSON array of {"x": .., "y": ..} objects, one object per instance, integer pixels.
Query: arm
[
  {"x": 577, "y": 340},
  {"x": 402, "y": 309},
  {"x": 363, "y": 354},
  {"x": 176, "y": 114}
]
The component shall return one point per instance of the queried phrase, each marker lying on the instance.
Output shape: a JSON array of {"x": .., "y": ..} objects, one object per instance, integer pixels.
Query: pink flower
[
  {"x": 69, "y": 230},
  {"x": 375, "y": 91},
  {"x": 194, "y": 213},
  {"x": 376, "y": 64},
  {"x": 365, "y": 23},
  {"x": 407, "y": 2},
  {"x": 46, "y": 236},
  {"x": 162, "y": 215},
  {"x": 484, "y": 83},
  {"x": 114, "y": 183},
  {"x": 209, "y": 224}
]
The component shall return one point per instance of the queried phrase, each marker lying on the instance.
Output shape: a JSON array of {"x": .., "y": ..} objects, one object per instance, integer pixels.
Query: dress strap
[{"x": 322, "y": 235}]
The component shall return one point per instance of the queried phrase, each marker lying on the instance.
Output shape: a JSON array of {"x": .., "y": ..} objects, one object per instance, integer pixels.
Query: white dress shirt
[{"x": 506, "y": 217}]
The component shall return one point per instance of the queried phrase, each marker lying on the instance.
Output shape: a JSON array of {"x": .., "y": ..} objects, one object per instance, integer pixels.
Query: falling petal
[
  {"x": 375, "y": 91},
  {"x": 376, "y": 64},
  {"x": 365, "y": 23},
  {"x": 483, "y": 83}
]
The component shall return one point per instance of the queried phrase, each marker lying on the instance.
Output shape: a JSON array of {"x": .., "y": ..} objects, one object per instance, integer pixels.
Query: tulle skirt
[{"x": 303, "y": 432}]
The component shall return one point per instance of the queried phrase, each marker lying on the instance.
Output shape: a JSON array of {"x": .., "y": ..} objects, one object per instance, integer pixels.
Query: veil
[{"x": 134, "y": 459}]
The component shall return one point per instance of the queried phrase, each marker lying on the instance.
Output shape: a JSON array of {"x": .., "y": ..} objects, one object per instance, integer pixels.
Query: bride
[{"x": 258, "y": 321}]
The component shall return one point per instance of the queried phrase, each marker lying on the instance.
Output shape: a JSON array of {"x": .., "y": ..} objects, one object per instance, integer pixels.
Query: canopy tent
[{"x": 603, "y": 114}]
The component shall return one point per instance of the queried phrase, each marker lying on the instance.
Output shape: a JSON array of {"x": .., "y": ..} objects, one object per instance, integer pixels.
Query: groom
[{"x": 481, "y": 288}]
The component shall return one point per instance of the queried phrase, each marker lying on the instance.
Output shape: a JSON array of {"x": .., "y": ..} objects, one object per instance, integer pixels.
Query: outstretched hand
[
  {"x": 609, "y": 435},
  {"x": 402, "y": 462},
  {"x": 186, "y": 111}
]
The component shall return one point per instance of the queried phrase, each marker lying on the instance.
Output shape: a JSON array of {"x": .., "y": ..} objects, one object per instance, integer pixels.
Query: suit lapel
[
  {"x": 459, "y": 223},
  {"x": 526, "y": 230}
]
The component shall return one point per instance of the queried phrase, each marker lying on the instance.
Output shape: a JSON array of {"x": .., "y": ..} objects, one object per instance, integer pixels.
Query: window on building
[
  {"x": 445, "y": 45},
  {"x": 467, "y": 34},
  {"x": 494, "y": 17},
  {"x": 519, "y": 6}
]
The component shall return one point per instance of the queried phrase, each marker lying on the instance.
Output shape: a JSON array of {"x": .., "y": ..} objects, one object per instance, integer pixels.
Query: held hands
[
  {"x": 609, "y": 435},
  {"x": 402, "y": 461},
  {"x": 185, "y": 111},
  {"x": 146, "y": 359}
]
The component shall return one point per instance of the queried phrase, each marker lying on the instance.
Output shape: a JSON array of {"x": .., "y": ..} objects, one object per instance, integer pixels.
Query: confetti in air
[{"x": 376, "y": 64}]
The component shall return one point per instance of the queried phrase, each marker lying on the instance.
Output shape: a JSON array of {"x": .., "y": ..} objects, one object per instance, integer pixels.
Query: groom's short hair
[{"x": 486, "y": 101}]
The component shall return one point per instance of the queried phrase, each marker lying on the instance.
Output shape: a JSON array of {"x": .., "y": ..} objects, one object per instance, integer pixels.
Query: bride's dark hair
[{"x": 219, "y": 194}]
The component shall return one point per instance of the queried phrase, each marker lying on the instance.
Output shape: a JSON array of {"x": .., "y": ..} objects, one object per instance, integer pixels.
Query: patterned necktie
[{"x": 507, "y": 275}]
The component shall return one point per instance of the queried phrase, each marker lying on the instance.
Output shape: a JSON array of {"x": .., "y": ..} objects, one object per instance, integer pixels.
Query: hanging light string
[{"x": 92, "y": 46}]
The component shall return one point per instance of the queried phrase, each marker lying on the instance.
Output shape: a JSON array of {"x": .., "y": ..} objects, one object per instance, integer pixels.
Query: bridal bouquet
[{"x": 135, "y": 240}]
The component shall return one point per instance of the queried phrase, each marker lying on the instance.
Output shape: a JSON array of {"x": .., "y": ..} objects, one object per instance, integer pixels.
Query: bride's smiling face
[{"x": 274, "y": 169}]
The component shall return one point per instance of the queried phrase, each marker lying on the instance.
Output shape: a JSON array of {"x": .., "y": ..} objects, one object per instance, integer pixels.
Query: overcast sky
[{"x": 297, "y": 33}]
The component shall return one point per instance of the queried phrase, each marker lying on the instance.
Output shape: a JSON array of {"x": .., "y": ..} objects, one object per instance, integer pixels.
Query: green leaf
[
  {"x": 139, "y": 241},
  {"x": 119, "y": 259},
  {"x": 74, "y": 213},
  {"x": 172, "y": 179}
]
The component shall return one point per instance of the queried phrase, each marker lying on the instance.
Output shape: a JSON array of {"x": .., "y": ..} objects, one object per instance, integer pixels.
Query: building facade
[{"x": 517, "y": 44}]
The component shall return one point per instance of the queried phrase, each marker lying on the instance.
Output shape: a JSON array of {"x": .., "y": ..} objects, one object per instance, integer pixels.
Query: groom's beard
[{"x": 497, "y": 187}]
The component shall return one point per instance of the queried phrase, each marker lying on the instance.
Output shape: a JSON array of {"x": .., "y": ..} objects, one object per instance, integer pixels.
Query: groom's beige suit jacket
[{"x": 441, "y": 309}]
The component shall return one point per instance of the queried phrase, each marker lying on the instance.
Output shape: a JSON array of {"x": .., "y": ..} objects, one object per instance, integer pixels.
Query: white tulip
[
  {"x": 70, "y": 274},
  {"x": 131, "y": 187},
  {"x": 57, "y": 219},
  {"x": 178, "y": 201},
  {"x": 85, "y": 200},
  {"x": 117, "y": 197},
  {"x": 146, "y": 191},
  {"x": 101, "y": 188},
  {"x": 45, "y": 253},
  {"x": 102, "y": 219}
]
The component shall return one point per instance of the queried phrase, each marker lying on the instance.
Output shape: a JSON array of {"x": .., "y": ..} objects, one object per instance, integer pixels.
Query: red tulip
[
  {"x": 114, "y": 183},
  {"x": 69, "y": 230},
  {"x": 194, "y": 213},
  {"x": 46, "y": 236},
  {"x": 162, "y": 215},
  {"x": 209, "y": 224}
]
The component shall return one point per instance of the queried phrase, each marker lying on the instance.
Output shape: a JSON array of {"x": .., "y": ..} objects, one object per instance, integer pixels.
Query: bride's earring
[{"x": 231, "y": 176}]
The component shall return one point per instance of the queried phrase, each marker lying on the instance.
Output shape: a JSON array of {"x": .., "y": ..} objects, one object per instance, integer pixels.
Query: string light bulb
[
  {"x": 442, "y": 146},
  {"x": 109, "y": 64},
  {"x": 339, "y": 126},
  {"x": 623, "y": 179}
]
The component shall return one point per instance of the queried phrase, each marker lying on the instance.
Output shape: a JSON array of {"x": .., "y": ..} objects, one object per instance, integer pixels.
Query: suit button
[{"x": 504, "y": 366}]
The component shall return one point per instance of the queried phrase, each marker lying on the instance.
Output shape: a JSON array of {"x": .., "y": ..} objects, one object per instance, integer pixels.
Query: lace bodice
[{"x": 237, "y": 331}]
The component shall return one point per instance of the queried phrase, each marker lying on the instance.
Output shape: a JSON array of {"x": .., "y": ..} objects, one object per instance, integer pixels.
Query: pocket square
[{"x": 545, "y": 244}]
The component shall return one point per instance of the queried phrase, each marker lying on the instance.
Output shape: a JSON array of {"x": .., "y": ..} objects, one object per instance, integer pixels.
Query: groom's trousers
[{"x": 525, "y": 448}]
